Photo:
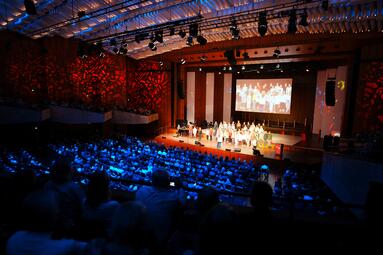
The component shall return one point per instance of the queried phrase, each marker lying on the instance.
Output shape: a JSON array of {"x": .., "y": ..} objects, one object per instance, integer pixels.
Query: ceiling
[{"x": 100, "y": 20}]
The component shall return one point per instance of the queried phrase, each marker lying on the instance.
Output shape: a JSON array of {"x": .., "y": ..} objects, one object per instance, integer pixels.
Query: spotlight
[
  {"x": 234, "y": 30},
  {"x": 292, "y": 26},
  {"x": 81, "y": 14},
  {"x": 325, "y": 5},
  {"x": 115, "y": 50},
  {"x": 182, "y": 33},
  {"x": 307, "y": 70},
  {"x": 277, "y": 52},
  {"x": 30, "y": 7},
  {"x": 224, "y": 68},
  {"x": 200, "y": 69},
  {"x": 261, "y": 67},
  {"x": 229, "y": 54},
  {"x": 113, "y": 42},
  {"x": 183, "y": 61},
  {"x": 277, "y": 66},
  {"x": 219, "y": 73},
  {"x": 238, "y": 72},
  {"x": 243, "y": 68},
  {"x": 152, "y": 46},
  {"x": 201, "y": 40},
  {"x": 230, "y": 68},
  {"x": 303, "y": 22},
  {"x": 159, "y": 36},
  {"x": 189, "y": 40},
  {"x": 172, "y": 31},
  {"x": 193, "y": 30},
  {"x": 245, "y": 56},
  {"x": 137, "y": 38},
  {"x": 203, "y": 59},
  {"x": 161, "y": 63},
  {"x": 262, "y": 23},
  {"x": 122, "y": 50},
  {"x": 124, "y": 44}
]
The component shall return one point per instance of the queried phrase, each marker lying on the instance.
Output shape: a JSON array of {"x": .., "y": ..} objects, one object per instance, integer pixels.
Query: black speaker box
[
  {"x": 181, "y": 141},
  {"x": 237, "y": 150},
  {"x": 330, "y": 93},
  {"x": 228, "y": 149}
]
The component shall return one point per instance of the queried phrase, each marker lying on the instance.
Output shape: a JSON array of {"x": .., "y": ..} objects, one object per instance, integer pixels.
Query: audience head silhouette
[
  {"x": 62, "y": 171},
  {"x": 207, "y": 199},
  {"x": 261, "y": 195},
  {"x": 129, "y": 225},
  {"x": 161, "y": 179},
  {"x": 98, "y": 189},
  {"x": 41, "y": 210}
]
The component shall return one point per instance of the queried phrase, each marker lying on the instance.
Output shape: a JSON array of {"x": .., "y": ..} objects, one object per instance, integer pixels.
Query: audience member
[
  {"x": 41, "y": 214},
  {"x": 68, "y": 194}
]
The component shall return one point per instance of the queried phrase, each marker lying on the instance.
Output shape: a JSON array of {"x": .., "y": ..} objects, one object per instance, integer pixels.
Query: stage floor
[{"x": 296, "y": 154}]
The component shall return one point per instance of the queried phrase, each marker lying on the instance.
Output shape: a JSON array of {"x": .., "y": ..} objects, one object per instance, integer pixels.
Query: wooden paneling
[
  {"x": 218, "y": 97},
  {"x": 200, "y": 96}
]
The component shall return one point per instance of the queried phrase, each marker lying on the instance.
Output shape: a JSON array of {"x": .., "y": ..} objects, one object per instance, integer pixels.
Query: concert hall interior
[{"x": 190, "y": 126}]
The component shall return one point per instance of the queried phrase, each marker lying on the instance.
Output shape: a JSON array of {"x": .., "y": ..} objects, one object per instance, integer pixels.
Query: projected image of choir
[{"x": 264, "y": 97}]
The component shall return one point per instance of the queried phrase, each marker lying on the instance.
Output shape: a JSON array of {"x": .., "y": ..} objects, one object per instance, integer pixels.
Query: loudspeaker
[
  {"x": 256, "y": 152},
  {"x": 163, "y": 137},
  {"x": 330, "y": 92},
  {"x": 228, "y": 149},
  {"x": 237, "y": 149},
  {"x": 181, "y": 141},
  {"x": 180, "y": 89},
  {"x": 30, "y": 7},
  {"x": 196, "y": 142}
]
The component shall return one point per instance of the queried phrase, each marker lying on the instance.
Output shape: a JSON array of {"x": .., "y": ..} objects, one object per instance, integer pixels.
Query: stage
[{"x": 291, "y": 150}]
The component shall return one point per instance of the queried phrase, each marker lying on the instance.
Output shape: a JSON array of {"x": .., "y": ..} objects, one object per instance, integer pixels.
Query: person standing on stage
[
  {"x": 215, "y": 128},
  {"x": 219, "y": 139},
  {"x": 238, "y": 125},
  {"x": 195, "y": 131},
  {"x": 199, "y": 134}
]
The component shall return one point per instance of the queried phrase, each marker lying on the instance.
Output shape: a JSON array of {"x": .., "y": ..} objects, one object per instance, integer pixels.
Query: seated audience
[
  {"x": 40, "y": 215},
  {"x": 130, "y": 234},
  {"x": 99, "y": 208},
  {"x": 162, "y": 203},
  {"x": 68, "y": 194}
]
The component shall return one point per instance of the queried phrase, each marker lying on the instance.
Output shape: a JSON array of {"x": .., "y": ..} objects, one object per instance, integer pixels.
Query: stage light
[
  {"x": 229, "y": 54},
  {"x": 115, "y": 50},
  {"x": 137, "y": 38},
  {"x": 159, "y": 36},
  {"x": 113, "y": 42},
  {"x": 303, "y": 22},
  {"x": 238, "y": 72},
  {"x": 325, "y": 5},
  {"x": 234, "y": 30},
  {"x": 102, "y": 54},
  {"x": 172, "y": 31},
  {"x": 292, "y": 26},
  {"x": 182, "y": 33},
  {"x": 277, "y": 52},
  {"x": 262, "y": 23},
  {"x": 30, "y": 7},
  {"x": 246, "y": 56},
  {"x": 243, "y": 68},
  {"x": 124, "y": 44},
  {"x": 161, "y": 63},
  {"x": 219, "y": 73},
  {"x": 261, "y": 67},
  {"x": 224, "y": 68},
  {"x": 152, "y": 46},
  {"x": 183, "y": 61},
  {"x": 277, "y": 66},
  {"x": 200, "y": 69},
  {"x": 230, "y": 68},
  {"x": 189, "y": 41},
  {"x": 122, "y": 50},
  {"x": 307, "y": 70},
  {"x": 201, "y": 40},
  {"x": 193, "y": 30},
  {"x": 203, "y": 59}
]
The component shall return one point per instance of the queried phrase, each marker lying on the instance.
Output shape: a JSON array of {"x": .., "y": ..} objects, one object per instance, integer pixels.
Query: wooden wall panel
[
  {"x": 200, "y": 96},
  {"x": 218, "y": 97}
]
